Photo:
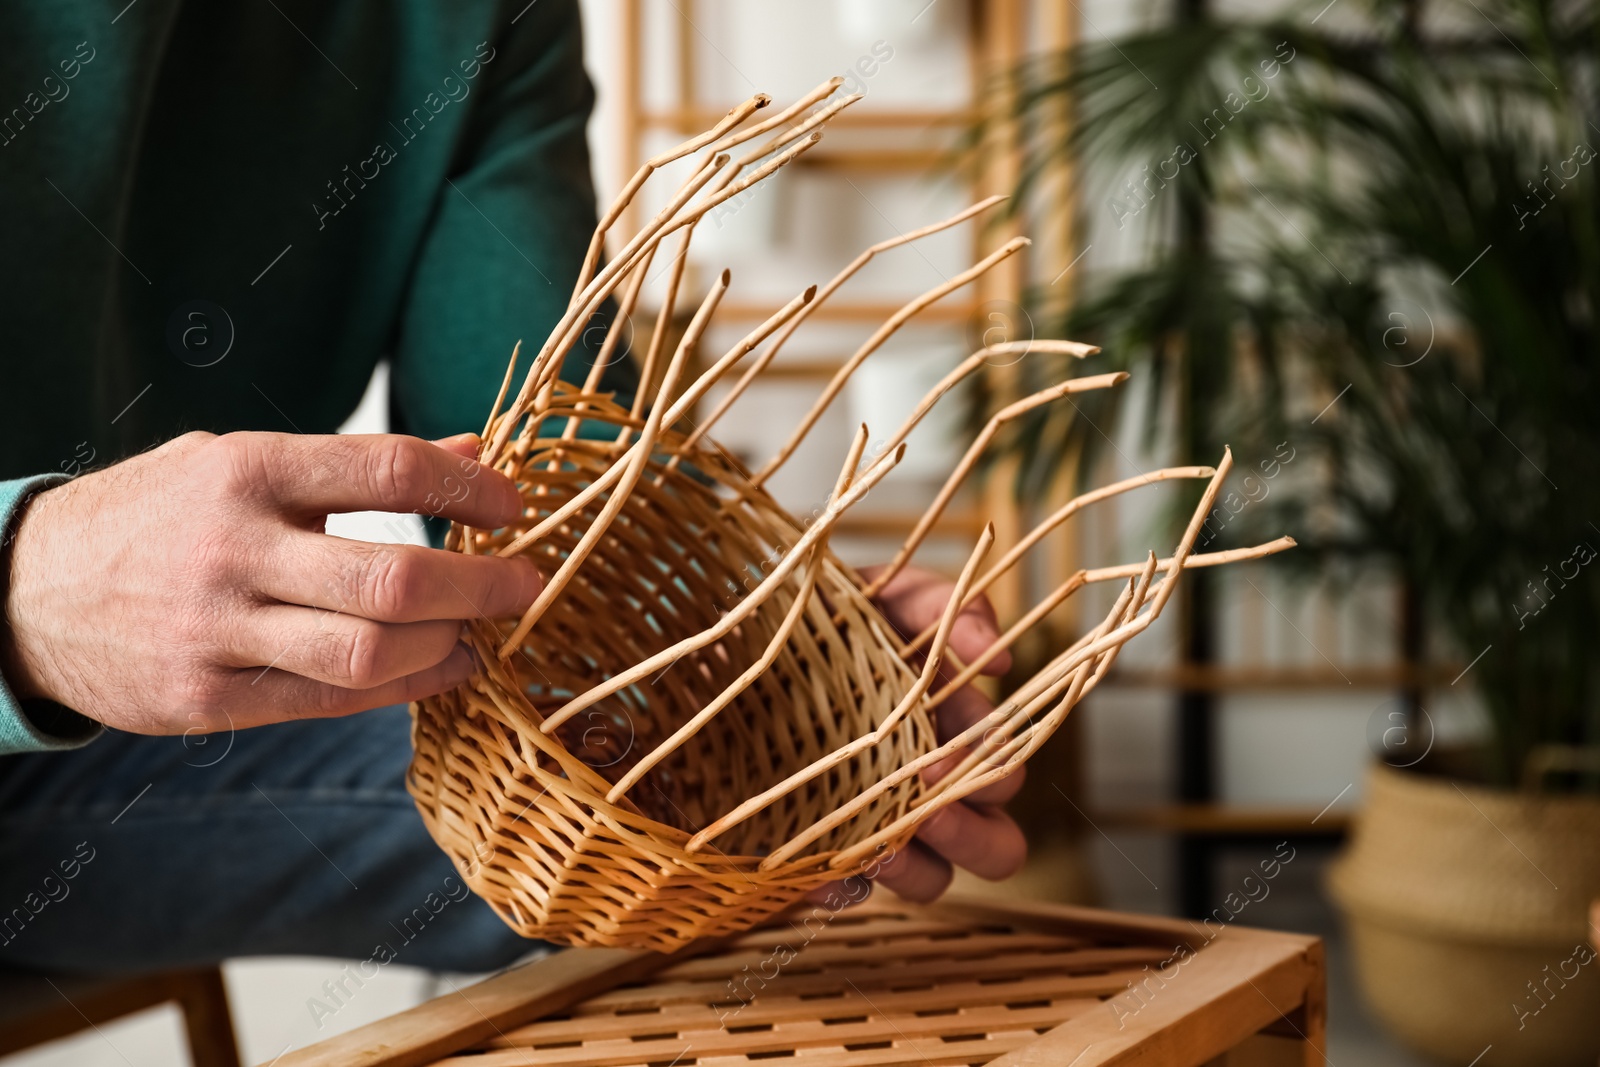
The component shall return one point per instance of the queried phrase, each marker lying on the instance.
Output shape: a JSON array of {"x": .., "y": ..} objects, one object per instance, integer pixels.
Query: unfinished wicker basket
[{"x": 703, "y": 715}]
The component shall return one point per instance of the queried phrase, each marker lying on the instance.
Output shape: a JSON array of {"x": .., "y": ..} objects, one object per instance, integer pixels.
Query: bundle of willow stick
[{"x": 703, "y": 715}]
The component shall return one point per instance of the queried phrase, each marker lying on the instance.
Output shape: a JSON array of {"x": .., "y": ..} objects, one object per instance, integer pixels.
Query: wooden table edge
[
  {"x": 1240, "y": 983},
  {"x": 439, "y": 1027}
]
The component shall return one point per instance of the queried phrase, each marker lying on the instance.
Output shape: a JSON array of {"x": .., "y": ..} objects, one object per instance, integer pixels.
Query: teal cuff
[{"x": 33, "y": 725}]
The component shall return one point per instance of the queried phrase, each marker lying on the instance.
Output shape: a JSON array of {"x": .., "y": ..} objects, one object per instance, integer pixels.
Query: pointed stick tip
[{"x": 725, "y": 277}]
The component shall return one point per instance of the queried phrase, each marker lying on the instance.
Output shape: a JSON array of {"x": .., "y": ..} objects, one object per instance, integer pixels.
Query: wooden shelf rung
[
  {"x": 798, "y": 370},
  {"x": 944, "y": 311},
  {"x": 885, "y": 159},
  {"x": 897, "y": 525},
  {"x": 693, "y": 120},
  {"x": 1223, "y": 820},
  {"x": 1210, "y": 677}
]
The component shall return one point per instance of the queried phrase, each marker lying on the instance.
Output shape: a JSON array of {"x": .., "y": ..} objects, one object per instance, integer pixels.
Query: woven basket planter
[
  {"x": 704, "y": 716},
  {"x": 1468, "y": 910}
]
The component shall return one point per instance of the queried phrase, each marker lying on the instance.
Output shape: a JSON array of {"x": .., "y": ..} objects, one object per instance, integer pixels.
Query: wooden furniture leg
[
  {"x": 207, "y": 1021},
  {"x": 36, "y": 1008}
]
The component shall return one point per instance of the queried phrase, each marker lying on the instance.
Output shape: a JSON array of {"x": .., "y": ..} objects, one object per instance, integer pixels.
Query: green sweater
[{"x": 221, "y": 216}]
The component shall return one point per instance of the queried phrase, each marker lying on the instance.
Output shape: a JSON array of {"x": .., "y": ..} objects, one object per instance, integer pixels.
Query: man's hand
[
  {"x": 193, "y": 587},
  {"x": 973, "y": 833}
]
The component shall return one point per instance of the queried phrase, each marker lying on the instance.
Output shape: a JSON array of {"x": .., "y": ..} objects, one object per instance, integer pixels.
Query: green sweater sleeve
[
  {"x": 33, "y": 725},
  {"x": 508, "y": 233}
]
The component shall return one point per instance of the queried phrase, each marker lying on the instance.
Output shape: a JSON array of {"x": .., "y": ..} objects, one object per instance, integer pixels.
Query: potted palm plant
[{"x": 1382, "y": 242}]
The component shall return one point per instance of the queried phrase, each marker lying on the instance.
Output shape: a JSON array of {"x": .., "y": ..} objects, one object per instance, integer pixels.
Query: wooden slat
[
  {"x": 769, "y": 1009},
  {"x": 443, "y": 1026},
  {"x": 800, "y": 1035},
  {"x": 898, "y": 1054},
  {"x": 905, "y": 951},
  {"x": 888, "y": 974},
  {"x": 846, "y": 925}
]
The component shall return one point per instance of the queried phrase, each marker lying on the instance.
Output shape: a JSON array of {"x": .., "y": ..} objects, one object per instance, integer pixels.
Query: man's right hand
[{"x": 193, "y": 586}]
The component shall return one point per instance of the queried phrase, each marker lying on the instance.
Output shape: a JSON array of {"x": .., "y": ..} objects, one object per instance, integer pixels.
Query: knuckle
[
  {"x": 391, "y": 582},
  {"x": 357, "y": 656},
  {"x": 208, "y": 557},
  {"x": 192, "y": 441},
  {"x": 399, "y": 468},
  {"x": 234, "y": 463}
]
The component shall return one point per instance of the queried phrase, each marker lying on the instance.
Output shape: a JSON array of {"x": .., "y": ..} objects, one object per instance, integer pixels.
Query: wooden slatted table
[{"x": 881, "y": 985}]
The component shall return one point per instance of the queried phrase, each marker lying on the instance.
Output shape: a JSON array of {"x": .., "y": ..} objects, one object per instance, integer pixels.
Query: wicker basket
[{"x": 703, "y": 716}]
